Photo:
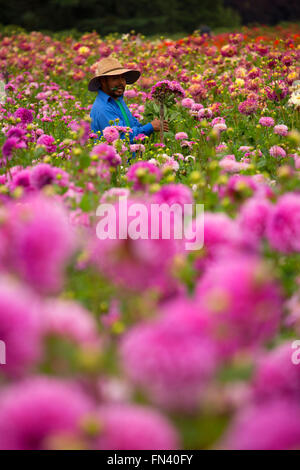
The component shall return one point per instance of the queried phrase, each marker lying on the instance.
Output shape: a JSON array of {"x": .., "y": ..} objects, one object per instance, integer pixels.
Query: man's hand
[{"x": 156, "y": 125}]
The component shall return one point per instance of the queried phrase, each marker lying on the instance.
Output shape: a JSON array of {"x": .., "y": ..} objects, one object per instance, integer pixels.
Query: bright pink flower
[
  {"x": 20, "y": 327},
  {"x": 266, "y": 426},
  {"x": 281, "y": 129},
  {"x": 110, "y": 134},
  {"x": 181, "y": 135},
  {"x": 107, "y": 153},
  {"x": 248, "y": 107},
  {"x": 41, "y": 241},
  {"x": 277, "y": 152},
  {"x": 171, "y": 358},
  {"x": 242, "y": 314},
  {"x": 41, "y": 175},
  {"x": 47, "y": 141},
  {"x": 266, "y": 121},
  {"x": 25, "y": 115},
  {"x": 70, "y": 320},
  {"x": 283, "y": 229},
  {"x": 253, "y": 217},
  {"x": 38, "y": 409},
  {"x": 134, "y": 427},
  {"x": 140, "y": 171}
]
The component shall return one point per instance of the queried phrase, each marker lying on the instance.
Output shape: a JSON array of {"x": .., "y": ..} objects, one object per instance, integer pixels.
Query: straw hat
[{"x": 110, "y": 66}]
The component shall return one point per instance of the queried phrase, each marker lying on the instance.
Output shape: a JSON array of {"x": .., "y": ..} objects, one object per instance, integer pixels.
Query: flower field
[{"x": 132, "y": 344}]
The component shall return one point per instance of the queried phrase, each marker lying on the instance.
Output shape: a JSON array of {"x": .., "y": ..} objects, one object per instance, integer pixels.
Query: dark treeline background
[{"x": 144, "y": 16}]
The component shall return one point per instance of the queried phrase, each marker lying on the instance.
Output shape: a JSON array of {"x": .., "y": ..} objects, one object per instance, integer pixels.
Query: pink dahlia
[
  {"x": 281, "y": 129},
  {"x": 41, "y": 175},
  {"x": 283, "y": 228},
  {"x": 107, "y": 154},
  {"x": 142, "y": 173},
  {"x": 25, "y": 115},
  {"x": 48, "y": 142},
  {"x": 70, "y": 320},
  {"x": 253, "y": 217},
  {"x": 242, "y": 314},
  {"x": 248, "y": 107},
  {"x": 276, "y": 376},
  {"x": 41, "y": 241},
  {"x": 38, "y": 410},
  {"x": 110, "y": 134},
  {"x": 266, "y": 426},
  {"x": 277, "y": 152},
  {"x": 171, "y": 358},
  {"x": 134, "y": 427},
  {"x": 266, "y": 121},
  {"x": 20, "y": 327}
]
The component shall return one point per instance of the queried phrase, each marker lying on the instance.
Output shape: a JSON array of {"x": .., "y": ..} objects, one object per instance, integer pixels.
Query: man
[{"x": 110, "y": 82}]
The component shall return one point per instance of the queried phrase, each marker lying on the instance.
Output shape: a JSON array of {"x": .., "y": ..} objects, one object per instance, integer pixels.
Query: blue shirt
[{"x": 106, "y": 109}]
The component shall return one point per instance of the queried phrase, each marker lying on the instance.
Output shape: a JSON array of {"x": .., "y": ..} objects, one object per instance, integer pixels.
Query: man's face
[{"x": 113, "y": 85}]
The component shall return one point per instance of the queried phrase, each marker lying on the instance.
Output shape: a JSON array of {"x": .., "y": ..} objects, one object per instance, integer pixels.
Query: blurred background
[{"x": 143, "y": 16}]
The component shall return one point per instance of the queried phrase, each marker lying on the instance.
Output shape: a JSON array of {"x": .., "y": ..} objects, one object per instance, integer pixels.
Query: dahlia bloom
[
  {"x": 47, "y": 141},
  {"x": 175, "y": 193},
  {"x": 110, "y": 134},
  {"x": 70, "y": 320},
  {"x": 275, "y": 375},
  {"x": 253, "y": 217},
  {"x": 142, "y": 170},
  {"x": 281, "y": 129},
  {"x": 187, "y": 103},
  {"x": 248, "y": 107},
  {"x": 41, "y": 175},
  {"x": 25, "y": 115},
  {"x": 242, "y": 314},
  {"x": 20, "y": 327},
  {"x": 283, "y": 228},
  {"x": 38, "y": 410},
  {"x": 166, "y": 88},
  {"x": 277, "y": 152},
  {"x": 41, "y": 240},
  {"x": 107, "y": 153},
  {"x": 137, "y": 263},
  {"x": 265, "y": 426},
  {"x": 9, "y": 145},
  {"x": 134, "y": 427},
  {"x": 171, "y": 358},
  {"x": 181, "y": 135},
  {"x": 266, "y": 121}
]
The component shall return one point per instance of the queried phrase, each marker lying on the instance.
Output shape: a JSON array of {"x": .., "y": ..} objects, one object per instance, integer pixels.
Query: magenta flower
[
  {"x": 266, "y": 121},
  {"x": 237, "y": 313},
  {"x": 41, "y": 175},
  {"x": 41, "y": 241},
  {"x": 20, "y": 327},
  {"x": 171, "y": 358},
  {"x": 142, "y": 173},
  {"x": 38, "y": 412},
  {"x": 266, "y": 426},
  {"x": 25, "y": 115},
  {"x": 9, "y": 145},
  {"x": 134, "y": 427},
  {"x": 71, "y": 321},
  {"x": 283, "y": 229},
  {"x": 110, "y": 134},
  {"x": 276, "y": 376},
  {"x": 248, "y": 107},
  {"x": 253, "y": 217},
  {"x": 107, "y": 153},
  {"x": 281, "y": 129},
  {"x": 181, "y": 135},
  {"x": 47, "y": 141},
  {"x": 277, "y": 152}
]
